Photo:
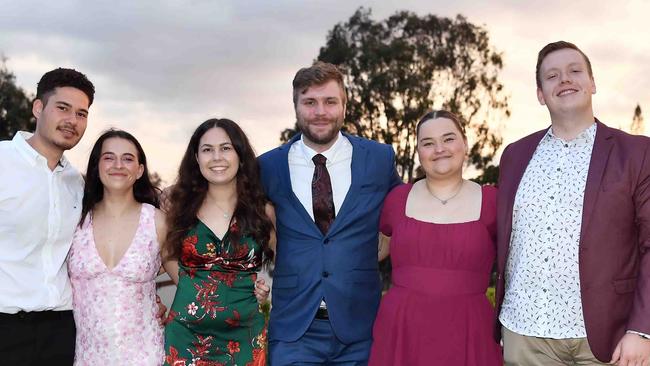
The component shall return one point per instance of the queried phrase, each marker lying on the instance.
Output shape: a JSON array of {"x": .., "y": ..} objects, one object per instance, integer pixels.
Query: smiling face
[
  {"x": 319, "y": 113},
  {"x": 61, "y": 119},
  {"x": 566, "y": 85},
  {"x": 441, "y": 148},
  {"x": 217, "y": 158},
  {"x": 119, "y": 167}
]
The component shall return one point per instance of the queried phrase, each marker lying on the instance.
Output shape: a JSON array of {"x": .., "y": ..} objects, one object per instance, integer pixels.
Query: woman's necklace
[
  {"x": 444, "y": 202},
  {"x": 225, "y": 214}
]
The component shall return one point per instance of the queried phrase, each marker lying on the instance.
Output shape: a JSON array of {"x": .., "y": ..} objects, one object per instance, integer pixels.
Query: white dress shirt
[
  {"x": 39, "y": 210},
  {"x": 542, "y": 295},
  {"x": 339, "y": 167},
  {"x": 301, "y": 171}
]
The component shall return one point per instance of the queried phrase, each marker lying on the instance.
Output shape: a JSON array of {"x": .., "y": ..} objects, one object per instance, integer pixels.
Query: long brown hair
[{"x": 190, "y": 190}]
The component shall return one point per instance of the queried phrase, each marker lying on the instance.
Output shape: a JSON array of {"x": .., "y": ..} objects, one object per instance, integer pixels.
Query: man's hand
[
  {"x": 632, "y": 350},
  {"x": 162, "y": 310},
  {"x": 261, "y": 291}
]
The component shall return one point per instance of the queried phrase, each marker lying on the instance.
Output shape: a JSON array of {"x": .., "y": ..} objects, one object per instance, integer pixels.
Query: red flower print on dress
[
  {"x": 259, "y": 358},
  {"x": 201, "y": 346},
  {"x": 173, "y": 359},
  {"x": 228, "y": 278},
  {"x": 233, "y": 347},
  {"x": 209, "y": 363},
  {"x": 234, "y": 321},
  {"x": 207, "y": 296}
]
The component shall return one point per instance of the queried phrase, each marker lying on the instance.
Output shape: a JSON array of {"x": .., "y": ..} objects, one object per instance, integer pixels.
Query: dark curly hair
[
  {"x": 143, "y": 190},
  {"x": 189, "y": 192},
  {"x": 61, "y": 77}
]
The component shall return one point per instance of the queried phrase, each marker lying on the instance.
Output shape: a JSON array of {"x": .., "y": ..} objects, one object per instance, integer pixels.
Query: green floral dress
[{"x": 215, "y": 318}]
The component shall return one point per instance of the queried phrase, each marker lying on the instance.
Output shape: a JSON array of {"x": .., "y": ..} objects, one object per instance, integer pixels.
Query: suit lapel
[
  {"x": 359, "y": 156},
  {"x": 599, "y": 155},
  {"x": 285, "y": 177}
]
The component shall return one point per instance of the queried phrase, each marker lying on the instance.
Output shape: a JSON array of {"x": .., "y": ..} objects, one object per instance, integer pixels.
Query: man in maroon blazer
[{"x": 573, "y": 283}]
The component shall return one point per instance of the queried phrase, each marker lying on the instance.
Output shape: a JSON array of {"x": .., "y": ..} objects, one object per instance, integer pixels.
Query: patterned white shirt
[{"x": 542, "y": 294}]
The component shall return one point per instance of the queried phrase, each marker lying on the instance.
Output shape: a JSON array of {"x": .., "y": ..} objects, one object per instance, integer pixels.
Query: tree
[
  {"x": 399, "y": 68},
  {"x": 15, "y": 105},
  {"x": 637, "y": 127}
]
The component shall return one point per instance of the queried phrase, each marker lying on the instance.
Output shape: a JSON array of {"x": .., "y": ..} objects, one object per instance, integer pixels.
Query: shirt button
[
  {"x": 552, "y": 197},
  {"x": 558, "y": 169},
  {"x": 326, "y": 274},
  {"x": 566, "y": 145}
]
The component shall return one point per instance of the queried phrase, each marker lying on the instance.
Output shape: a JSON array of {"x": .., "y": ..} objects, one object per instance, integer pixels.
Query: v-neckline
[
  {"x": 135, "y": 235},
  {"x": 212, "y": 231}
]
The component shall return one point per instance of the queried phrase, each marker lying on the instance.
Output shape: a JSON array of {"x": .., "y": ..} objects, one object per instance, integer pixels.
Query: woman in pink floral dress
[{"x": 115, "y": 257}]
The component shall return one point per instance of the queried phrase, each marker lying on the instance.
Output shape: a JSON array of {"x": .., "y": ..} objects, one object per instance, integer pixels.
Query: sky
[{"x": 162, "y": 67}]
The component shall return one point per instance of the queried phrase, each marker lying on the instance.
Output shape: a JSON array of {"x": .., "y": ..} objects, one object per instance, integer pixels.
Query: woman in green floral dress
[{"x": 221, "y": 232}]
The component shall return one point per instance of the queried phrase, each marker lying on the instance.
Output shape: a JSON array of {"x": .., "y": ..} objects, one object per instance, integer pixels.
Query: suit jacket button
[
  {"x": 326, "y": 274},
  {"x": 326, "y": 241}
]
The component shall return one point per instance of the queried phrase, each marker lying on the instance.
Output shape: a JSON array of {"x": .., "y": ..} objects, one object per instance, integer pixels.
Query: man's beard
[{"x": 321, "y": 139}]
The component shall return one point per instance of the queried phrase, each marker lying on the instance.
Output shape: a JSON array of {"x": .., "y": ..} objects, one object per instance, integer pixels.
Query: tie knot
[{"x": 319, "y": 159}]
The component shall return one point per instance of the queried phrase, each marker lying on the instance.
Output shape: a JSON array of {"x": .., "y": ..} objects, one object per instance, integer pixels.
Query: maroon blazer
[{"x": 614, "y": 237}]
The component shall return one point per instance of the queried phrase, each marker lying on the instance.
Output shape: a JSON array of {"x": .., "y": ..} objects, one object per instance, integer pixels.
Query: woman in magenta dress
[{"x": 440, "y": 232}]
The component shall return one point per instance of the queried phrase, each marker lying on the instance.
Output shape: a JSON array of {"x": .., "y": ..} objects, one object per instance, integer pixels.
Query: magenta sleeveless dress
[
  {"x": 436, "y": 312},
  {"x": 115, "y": 310}
]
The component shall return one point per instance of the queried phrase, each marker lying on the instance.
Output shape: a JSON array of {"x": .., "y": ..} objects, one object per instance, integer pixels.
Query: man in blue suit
[{"x": 328, "y": 189}]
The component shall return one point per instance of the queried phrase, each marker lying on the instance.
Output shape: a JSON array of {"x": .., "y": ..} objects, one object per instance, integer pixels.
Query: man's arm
[{"x": 633, "y": 348}]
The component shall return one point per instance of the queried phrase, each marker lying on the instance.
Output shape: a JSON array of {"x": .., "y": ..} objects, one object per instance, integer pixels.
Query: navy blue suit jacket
[{"x": 340, "y": 267}]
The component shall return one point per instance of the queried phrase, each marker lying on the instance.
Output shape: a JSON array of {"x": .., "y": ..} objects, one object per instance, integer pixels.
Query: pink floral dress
[{"x": 115, "y": 309}]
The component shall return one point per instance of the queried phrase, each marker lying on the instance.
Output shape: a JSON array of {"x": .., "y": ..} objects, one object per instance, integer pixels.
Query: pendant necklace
[
  {"x": 224, "y": 213},
  {"x": 444, "y": 202}
]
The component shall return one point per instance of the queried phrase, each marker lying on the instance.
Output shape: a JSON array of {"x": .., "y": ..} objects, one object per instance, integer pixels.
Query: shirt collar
[
  {"x": 30, "y": 154},
  {"x": 330, "y": 153},
  {"x": 586, "y": 137}
]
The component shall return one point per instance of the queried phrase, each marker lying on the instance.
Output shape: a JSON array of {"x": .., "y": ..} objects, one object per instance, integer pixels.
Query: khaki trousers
[{"x": 523, "y": 350}]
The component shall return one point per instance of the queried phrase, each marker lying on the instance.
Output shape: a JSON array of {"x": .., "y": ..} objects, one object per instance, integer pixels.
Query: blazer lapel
[
  {"x": 599, "y": 156},
  {"x": 285, "y": 177},
  {"x": 359, "y": 156}
]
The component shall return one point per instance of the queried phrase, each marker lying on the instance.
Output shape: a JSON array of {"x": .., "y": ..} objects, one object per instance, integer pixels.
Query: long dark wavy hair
[
  {"x": 189, "y": 192},
  {"x": 143, "y": 190}
]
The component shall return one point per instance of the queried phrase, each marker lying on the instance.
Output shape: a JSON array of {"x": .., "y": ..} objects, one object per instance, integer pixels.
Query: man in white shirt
[
  {"x": 574, "y": 230},
  {"x": 40, "y": 204}
]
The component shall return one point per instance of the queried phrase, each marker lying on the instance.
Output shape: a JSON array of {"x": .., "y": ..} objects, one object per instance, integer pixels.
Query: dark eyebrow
[
  {"x": 221, "y": 144},
  {"x": 112, "y": 153},
  {"x": 70, "y": 106}
]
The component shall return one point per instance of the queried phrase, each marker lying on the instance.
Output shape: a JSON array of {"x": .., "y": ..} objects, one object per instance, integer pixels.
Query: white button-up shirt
[
  {"x": 39, "y": 211},
  {"x": 339, "y": 167},
  {"x": 542, "y": 297}
]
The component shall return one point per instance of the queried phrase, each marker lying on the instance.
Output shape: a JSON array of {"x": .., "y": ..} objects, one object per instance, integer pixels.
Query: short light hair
[
  {"x": 556, "y": 46},
  {"x": 317, "y": 74}
]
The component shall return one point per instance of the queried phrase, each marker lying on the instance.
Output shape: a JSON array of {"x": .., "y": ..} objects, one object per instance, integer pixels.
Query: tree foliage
[
  {"x": 15, "y": 105},
  {"x": 637, "y": 127},
  {"x": 399, "y": 68}
]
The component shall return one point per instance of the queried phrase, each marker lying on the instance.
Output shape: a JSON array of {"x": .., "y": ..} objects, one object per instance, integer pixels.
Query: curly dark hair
[
  {"x": 61, "y": 77},
  {"x": 190, "y": 190},
  {"x": 143, "y": 190}
]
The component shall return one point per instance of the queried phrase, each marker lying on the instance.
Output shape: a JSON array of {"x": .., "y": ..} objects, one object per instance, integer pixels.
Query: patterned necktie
[{"x": 321, "y": 195}]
